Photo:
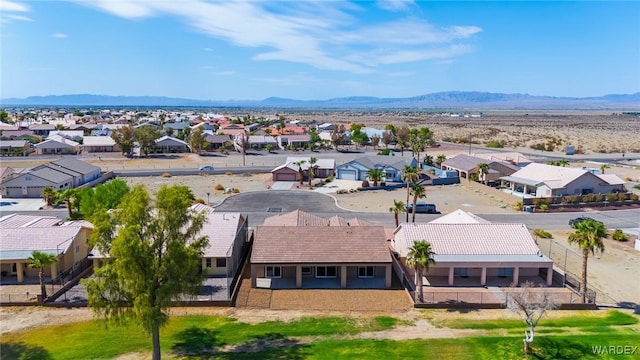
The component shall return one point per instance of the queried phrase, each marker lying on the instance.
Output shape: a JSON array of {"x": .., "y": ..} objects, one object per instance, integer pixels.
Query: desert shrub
[
  {"x": 329, "y": 179},
  {"x": 219, "y": 187},
  {"x": 228, "y": 173},
  {"x": 628, "y": 178},
  {"x": 495, "y": 144},
  {"x": 539, "y": 146},
  {"x": 637, "y": 186},
  {"x": 235, "y": 190},
  {"x": 365, "y": 183},
  {"x": 166, "y": 175},
  {"x": 385, "y": 152},
  {"x": 573, "y": 199},
  {"x": 543, "y": 234},
  {"x": 588, "y": 198},
  {"x": 599, "y": 198},
  {"x": 622, "y": 197},
  {"x": 635, "y": 197},
  {"x": 518, "y": 205},
  {"x": 198, "y": 201},
  {"x": 618, "y": 235},
  {"x": 544, "y": 207}
]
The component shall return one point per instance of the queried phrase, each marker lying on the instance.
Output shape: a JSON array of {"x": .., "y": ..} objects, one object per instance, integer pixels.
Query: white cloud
[
  {"x": 224, "y": 73},
  {"x": 6, "y": 6},
  {"x": 18, "y": 17},
  {"x": 395, "y": 5},
  {"x": 207, "y": 49},
  {"x": 325, "y": 35},
  {"x": 59, "y": 35}
]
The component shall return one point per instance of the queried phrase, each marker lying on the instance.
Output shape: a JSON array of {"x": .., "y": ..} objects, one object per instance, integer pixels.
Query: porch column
[
  {"x": 54, "y": 271},
  {"x": 550, "y": 276},
  {"x": 298, "y": 276},
  {"x": 387, "y": 276},
  {"x": 516, "y": 274},
  {"x": 19, "y": 271},
  {"x": 343, "y": 276},
  {"x": 254, "y": 275},
  {"x": 451, "y": 276},
  {"x": 483, "y": 276}
]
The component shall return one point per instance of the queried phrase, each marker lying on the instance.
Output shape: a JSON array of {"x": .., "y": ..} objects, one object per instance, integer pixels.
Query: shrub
[
  {"x": 228, "y": 173},
  {"x": 385, "y": 152},
  {"x": 618, "y": 235},
  {"x": 622, "y": 197},
  {"x": 328, "y": 179},
  {"x": 219, "y": 187},
  {"x": 544, "y": 207},
  {"x": 166, "y": 175},
  {"x": 495, "y": 144},
  {"x": 635, "y": 197},
  {"x": 588, "y": 198},
  {"x": 518, "y": 205},
  {"x": 365, "y": 183},
  {"x": 543, "y": 234},
  {"x": 235, "y": 190},
  {"x": 599, "y": 198},
  {"x": 198, "y": 201},
  {"x": 637, "y": 186},
  {"x": 628, "y": 179}
]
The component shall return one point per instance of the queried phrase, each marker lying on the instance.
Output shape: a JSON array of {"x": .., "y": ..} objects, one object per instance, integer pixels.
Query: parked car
[
  {"x": 579, "y": 219},
  {"x": 206, "y": 168},
  {"x": 423, "y": 208}
]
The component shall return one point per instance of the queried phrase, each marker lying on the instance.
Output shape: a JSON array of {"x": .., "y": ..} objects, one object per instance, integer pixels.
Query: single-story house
[
  {"x": 171, "y": 144},
  {"x": 74, "y": 135},
  {"x": 20, "y": 134},
  {"x": 59, "y": 174},
  {"x": 257, "y": 141},
  {"x": 14, "y": 147},
  {"x": 289, "y": 170},
  {"x": 57, "y": 144},
  {"x": 514, "y": 158},
  {"x": 542, "y": 180},
  {"x": 176, "y": 126},
  {"x": 301, "y": 218},
  {"x": 320, "y": 257},
  {"x": 217, "y": 141},
  {"x": 6, "y": 173},
  {"x": 466, "y": 165},
  {"x": 93, "y": 144},
  {"x": 20, "y": 235},
  {"x": 42, "y": 129},
  {"x": 467, "y": 246},
  {"x": 392, "y": 166},
  {"x": 297, "y": 141}
]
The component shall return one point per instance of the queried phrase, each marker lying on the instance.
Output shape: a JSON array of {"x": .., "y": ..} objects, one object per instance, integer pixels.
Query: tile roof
[
  {"x": 555, "y": 177},
  {"x": 295, "y": 218},
  {"x": 51, "y": 175},
  {"x": 324, "y": 244},
  {"x": 21, "y": 240},
  {"x": 98, "y": 141},
  {"x": 468, "y": 239},
  {"x": 464, "y": 162},
  {"x": 459, "y": 217},
  {"x": 13, "y": 221},
  {"x": 76, "y": 165},
  {"x": 221, "y": 229},
  {"x": 13, "y": 143},
  {"x": 510, "y": 157},
  {"x": 395, "y": 162}
]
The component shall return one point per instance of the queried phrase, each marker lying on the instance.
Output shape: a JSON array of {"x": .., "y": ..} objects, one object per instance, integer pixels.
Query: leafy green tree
[
  {"x": 125, "y": 138},
  {"x": 409, "y": 176},
  {"x": 104, "y": 196},
  {"x": 588, "y": 236},
  {"x": 418, "y": 192},
  {"x": 154, "y": 258},
  {"x": 375, "y": 175},
  {"x": 168, "y": 131},
  {"x": 4, "y": 116},
  {"x": 40, "y": 260},
  {"x": 147, "y": 136},
  {"x": 397, "y": 208},
  {"x": 420, "y": 257},
  {"x": 268, "y": 147},
  {"x": 314, "y": 137},
  {"x": 402, "y": 136},
  {"x": 197, "y": 139}
]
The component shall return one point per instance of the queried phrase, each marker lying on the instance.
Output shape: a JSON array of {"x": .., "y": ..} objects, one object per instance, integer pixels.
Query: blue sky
[{"x": 222, "y": 50}]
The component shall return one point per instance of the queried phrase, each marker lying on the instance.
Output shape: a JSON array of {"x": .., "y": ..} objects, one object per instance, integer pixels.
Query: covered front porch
[
  {"x": 488, "y": 275},
  {"x": 524, "y": 188},
  {"x": 322, "y": 276}
]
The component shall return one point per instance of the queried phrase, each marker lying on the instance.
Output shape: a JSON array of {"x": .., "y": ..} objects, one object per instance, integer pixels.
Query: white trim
[
  {"x": 273, "y": 272},
  {"x": 326, "y": 271},
  {"x": 366, "y": 271}
]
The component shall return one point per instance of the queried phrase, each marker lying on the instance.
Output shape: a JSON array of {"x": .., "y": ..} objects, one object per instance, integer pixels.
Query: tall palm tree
[
  {"x": 312, "y": 173},
  {"x": 397, "y": 208},
  {"x": 49, "y": 195},
  {"x": 409, "y": 176},
  {"x": 40, "y": 260},
  {"x": 484, "y": 170},
  {"x": 300, "y": 172},
  {"x": 375, "y": 175},
  {"x": 440, "y": 159},
  {"x": 418, "y": 192},
  {"x": 420, "y": 257},
  {"x": 588, "y": 236},
  {"x": 68, "y": 196},
  {"x": 603, "y": 167}
]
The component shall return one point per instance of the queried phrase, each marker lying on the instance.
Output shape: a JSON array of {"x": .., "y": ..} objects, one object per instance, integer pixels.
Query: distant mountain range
[{"x": 440, "y": 100}]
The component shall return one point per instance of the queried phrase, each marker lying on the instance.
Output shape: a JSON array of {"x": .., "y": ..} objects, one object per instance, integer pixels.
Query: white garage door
[{"x": 347, "y": 175}]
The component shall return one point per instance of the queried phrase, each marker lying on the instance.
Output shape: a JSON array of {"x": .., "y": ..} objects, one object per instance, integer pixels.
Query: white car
[{"x": 206, "y": 168}]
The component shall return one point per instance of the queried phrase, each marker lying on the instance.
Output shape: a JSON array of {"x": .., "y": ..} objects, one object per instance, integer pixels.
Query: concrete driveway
[{"x": 280, "y": 201}]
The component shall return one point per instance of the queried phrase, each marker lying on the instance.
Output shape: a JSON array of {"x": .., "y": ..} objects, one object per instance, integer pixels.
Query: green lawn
[{"x": 199, "y": 337}]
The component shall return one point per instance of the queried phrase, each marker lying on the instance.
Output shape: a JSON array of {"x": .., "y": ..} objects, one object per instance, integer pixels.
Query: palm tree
[
  {"x": 588, "y": 236},
  {"x": 420, "y": 257},
  {"x": 409, "y": 176},
  {"x": 375, "y": 175},
  {"x": 397, "y": 208},
  {"x": 440, "y": 159},
  {"x": 563, "y": 162},
  {"x": 418, "y": 193},
  {"x": 484, "y": 170},
  {"x": 312, "y": 173},
  {"x": 40, "y": 260},
  {"x": 68, "y": 196},
  {"x": 300, "y": 172},
  {"x": 603, "y": 167},
  {"x": 49, "y": 195}
]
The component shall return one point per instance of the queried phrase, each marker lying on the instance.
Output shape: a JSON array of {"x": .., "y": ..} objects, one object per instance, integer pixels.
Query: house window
[
  {"x": 28, "y": 178},
  {"x": 365, "y": 271},
  {"x": 208, "y": 262},
  {"x": 221, "y": 262},
  {"x": 273, "y": 272},
  {"x": 504, "y": 272},
  {"x": 77, "y": 248},
  {"x": 326, "y": 272},
  {"x": 307, "y": 270},
  {"x": 461, "y": 272}
]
